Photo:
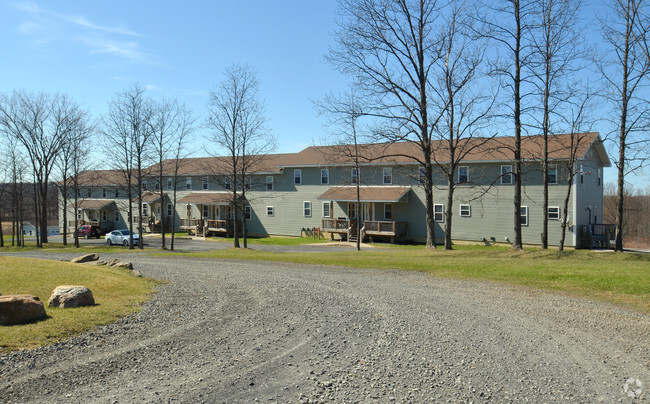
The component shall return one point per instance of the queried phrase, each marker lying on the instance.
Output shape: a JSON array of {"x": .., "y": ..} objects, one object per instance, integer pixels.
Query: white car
[{"x": 121, "y": 237}]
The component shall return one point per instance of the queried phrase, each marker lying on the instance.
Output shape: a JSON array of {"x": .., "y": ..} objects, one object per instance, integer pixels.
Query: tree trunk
[
  {"x": 517, "y": 115},
  {"x": 449, "y": 210}
]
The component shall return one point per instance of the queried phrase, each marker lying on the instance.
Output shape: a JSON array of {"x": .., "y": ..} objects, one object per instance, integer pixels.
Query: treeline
[{"x": 636, "y": 215}]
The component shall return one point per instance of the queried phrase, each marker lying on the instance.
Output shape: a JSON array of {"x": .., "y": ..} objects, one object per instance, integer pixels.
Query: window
[
  {"x": 355, "y": 176},
  {"x": 104, "y": 192},
  {"x": 227, "y": 183},
  {"x": 80, "y": 214},
  {"x": 170, "y": 207},
  {"x": 169, "y": 184},
  {"x": 104, "y": 216},
  {"x": 247, "y": 212},
  {"x": 144, "y": 185},
  {"x": 156, "y": 185},
  {"x": 297, "y": 177},
  {"x": 270, "y": 211},
  {"x": 144, "y": 210},
  {"x": 600, "y": 174},
  {"x": 306, "y": 208},
  {"x": 247, "y": 183},
  {"x": 205, "y": 183},
  {"x": 188, "y": 183},
  {"x": 117, "y": 216},
  {"x": 582, "y": 174},
  {"x": 388, "y": 175},
  {"x": 324, "y": 176},
  {"x": 422, "y": 173},
  {"x": 465, "y": 211},
  {"x": 90, "y": 192},
  {"x": 205, "y": 211},
  {"x": 117, "y": 192},
  {"x": 352, "y": 211},
  {"x": 269, "y": 183},
  {"x": 327, "y": 209},
  {"x": 552, "y": 174},
  {"x": 463, "y": 175},
  {"x": 388, "y": 211},
  {"x": 79, "y": 193},
  {"x": 438, "y": 213},
  {"x": 524, "y": 215},
  {"x": 506, "y": 175},
  {"x": 553, "y": 213}
]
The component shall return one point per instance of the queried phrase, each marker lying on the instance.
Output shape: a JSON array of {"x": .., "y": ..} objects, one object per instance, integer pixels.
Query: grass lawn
[
  {"x": 618, "y": 278},
  {"x": 59, "y": 247},
  {"x": 274, "y": 240},
  {"x": 116, "y": 292}
]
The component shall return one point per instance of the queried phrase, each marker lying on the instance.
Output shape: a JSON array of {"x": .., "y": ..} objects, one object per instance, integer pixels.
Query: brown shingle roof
[
  {"x": 207, "y": 198},
  {"x": 93, "y": 204},
  {"x": 366, "y": 193}
]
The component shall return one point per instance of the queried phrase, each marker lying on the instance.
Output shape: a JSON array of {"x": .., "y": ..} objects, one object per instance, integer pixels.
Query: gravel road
[{"x": 236, "y": 331}]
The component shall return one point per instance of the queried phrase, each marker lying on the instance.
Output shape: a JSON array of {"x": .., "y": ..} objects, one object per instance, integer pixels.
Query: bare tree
[
  {"x": 461, "y": 102},
  {"x": 70, "y": 164},
  {"x": 41, "y": 123},
  {"x": 625, "y": 70},
  {"x": 507, "y": 24},
  {"x": 556, "y": 52},
  {"x": 389, "y": 48},
  {"x": 127, "y": 132},
  {"x": 343, "y": 113},
  {"x": 172, "y": 125},
  {"x": 237, "y": 123}
]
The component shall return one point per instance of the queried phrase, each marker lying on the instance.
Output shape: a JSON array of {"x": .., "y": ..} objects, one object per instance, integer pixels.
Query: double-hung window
[
  {"x": 270, "y": 211},
  {"x": 247, "y": 212},
  {"x": 169, "y": 184},
  {"x": 388, "y": 211},
  {"x": 205, "y": 211},
  {"x": 463, "y": 174},
  {"x": 170, "y": 207},
  {"x": 388, "y": 176},
  {"x": 188, "y": 183},
  {"x": 324, "y": 176},
  {"x": 422, "y": 174},
  {"x": 439, "y": 213},
  {"x": 247, "y": 183},
  {"x": 297, "y": 177},
  {"x": 553, "y": 213},
  {"x": 506, "y": 175},
  {"x": 524, "y": 215},
  {"x": 354, "y": 176},
  {"x": 552, "y": 174},
  {"x": 465, "y": 211},
  {"x": 327, "y": 209},
  {"x": 227, "y": 184},
  {"x": 306, "y": 208},
  {"x": 104, "y": 192},
  {"x": 205, "y": 183},
  {"x": 269, "y": 183}
]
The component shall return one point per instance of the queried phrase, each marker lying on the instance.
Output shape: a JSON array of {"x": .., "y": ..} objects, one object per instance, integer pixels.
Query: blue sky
[{"x": 93, "y": 49}]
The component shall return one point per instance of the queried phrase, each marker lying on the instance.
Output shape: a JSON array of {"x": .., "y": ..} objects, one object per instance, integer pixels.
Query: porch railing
[
  {"x": 217, "y": 224},
  {"x": 186, "y": 223},
  {"x": 385, "y": 227},
  {"x": 336, "y": 225}
]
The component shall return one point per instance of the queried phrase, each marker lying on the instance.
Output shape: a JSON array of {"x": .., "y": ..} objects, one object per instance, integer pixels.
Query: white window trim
[
  {"x": 205, "y": 211},
  {"x": 422, "y": 175},
  {"x": 442, "y": 213},
  {"x": 468, "y": 178},
  {"x": 227, "y": 184},
  {"x": 170, "y": 209},
  {"x": 297, "y": 176},
  {"x": 354, "y": 175},
  {"x": 325, "y": 171},
  {"x": 269, "y": 181},
  {"x": 548, "y": 213},
  {"x": 206, "y": 183},
  {"x": 390, "y": 174},
  {"x": 508, "y": 175},
  {"x": 525, "y": 208},
  {"x": 469, "y": 210},
  {"x": 270, "y": 211},
  {"x": 247, "y": 183},
  {"x": 169, "y": 184},
  {"x": 188, "y": 183},
  {"x": 329, "y": 209},
  {"x": 104, "y": 192},
  {"x": 248, "y": 212},
  {"x": 304, "y": 209},
  {"x": 552, "y": 167}
]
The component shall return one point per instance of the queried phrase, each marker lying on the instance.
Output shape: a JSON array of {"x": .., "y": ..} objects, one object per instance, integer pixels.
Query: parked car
[
  {"x": 121, "y": 237},
  {"x": 88, "y": 231}
]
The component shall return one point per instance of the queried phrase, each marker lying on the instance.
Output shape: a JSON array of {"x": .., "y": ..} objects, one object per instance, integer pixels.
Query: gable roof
[{"x": 366, "y": 194}]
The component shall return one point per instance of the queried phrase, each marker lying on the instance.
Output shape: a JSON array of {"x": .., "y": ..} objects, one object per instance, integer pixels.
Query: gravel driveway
[{"x": 236, "y": 331}]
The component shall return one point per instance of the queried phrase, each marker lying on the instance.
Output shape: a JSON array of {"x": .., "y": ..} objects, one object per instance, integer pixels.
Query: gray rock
[
  {"x": 86, "y": 258},
  {"x": 137, "y": 273},
  {"x": 67, "y": 296},
  {"x": 19, "y": 309}
]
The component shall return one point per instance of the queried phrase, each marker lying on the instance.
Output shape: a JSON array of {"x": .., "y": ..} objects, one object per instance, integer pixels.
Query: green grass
[
  {"x": 116, "y": 292},
  {"x": 59, "y": 247},
  {"x": 618, "y": 278},
  {"x": 274, "y": 240}
]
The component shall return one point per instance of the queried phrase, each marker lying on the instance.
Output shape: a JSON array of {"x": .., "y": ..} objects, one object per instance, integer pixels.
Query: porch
[
  {"x": 369, "y": 228},
  {"x": 597, "y": 236}
]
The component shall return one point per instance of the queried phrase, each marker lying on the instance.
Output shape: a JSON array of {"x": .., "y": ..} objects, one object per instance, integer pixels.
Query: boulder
[
  {"x": 136, "y": 273},
  {"x": 85, "y": 258},
  {"x": 67, "y": 296},
  {"x": 119, "y": 264},
  {"x": 19, "y": 309}
]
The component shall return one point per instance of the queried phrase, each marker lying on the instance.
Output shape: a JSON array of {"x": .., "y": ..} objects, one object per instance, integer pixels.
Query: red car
[{"x": 89, "y": 231}]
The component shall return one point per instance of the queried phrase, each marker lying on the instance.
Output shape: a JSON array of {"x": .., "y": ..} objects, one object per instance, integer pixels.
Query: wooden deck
[
  {"x": 205, "y": 227},
  {"x": 371, "y": 228},
  {"x": 597, "y": 236}
]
